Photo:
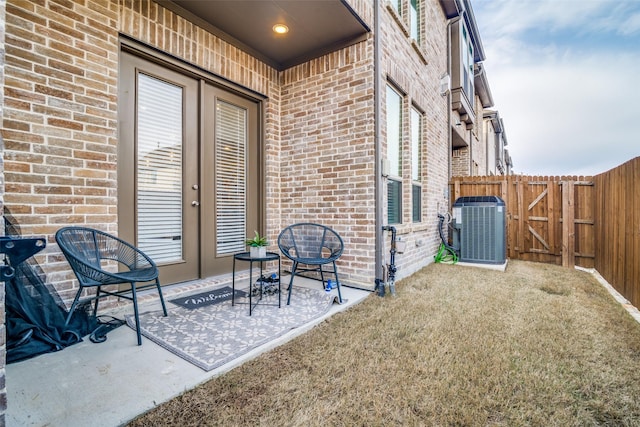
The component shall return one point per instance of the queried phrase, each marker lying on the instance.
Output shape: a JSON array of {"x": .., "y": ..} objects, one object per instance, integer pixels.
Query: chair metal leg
[
  {"x": 293, "y": 273},
  {"x": 95, "y": 305},
  {"x": 135, "y": 311},
  {"x": 73, "y": 306},
  {"x": 335, "y": 271},
  {"x": 164, "y": 307}
]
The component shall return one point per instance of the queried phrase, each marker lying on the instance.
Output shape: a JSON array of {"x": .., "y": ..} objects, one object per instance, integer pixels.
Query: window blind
[
  {"x": 394, "y": 201},
  {"x": 417, "y": 202},
  {"x": 159, "y": 169},
  {"x": 231, "y": 179}
]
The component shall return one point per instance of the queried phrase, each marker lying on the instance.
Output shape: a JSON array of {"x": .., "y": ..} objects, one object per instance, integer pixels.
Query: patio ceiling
[{"x": 316, "y": 27}]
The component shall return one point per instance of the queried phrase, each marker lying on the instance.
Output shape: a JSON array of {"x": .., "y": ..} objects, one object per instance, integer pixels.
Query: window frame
[
  {"x": 394, "y": 148},
  {"x": 466, "y": 62},
  {"x": 414, "y": 20},
  {"x": 397, "y": 6},
  {"x": 416, "y": 140}
]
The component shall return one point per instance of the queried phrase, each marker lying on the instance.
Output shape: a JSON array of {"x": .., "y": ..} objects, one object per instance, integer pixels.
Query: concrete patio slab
[{"x": 110, "y": 383}]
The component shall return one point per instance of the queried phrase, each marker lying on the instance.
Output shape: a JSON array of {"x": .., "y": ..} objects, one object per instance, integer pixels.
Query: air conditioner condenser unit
[{"x": 481, "y": 225}]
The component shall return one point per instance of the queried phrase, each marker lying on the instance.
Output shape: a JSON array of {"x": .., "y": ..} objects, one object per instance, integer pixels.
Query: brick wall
[
  {"x": 328, "y": 144},
  {"x": 415, "y": 68},
  {"x": 60, "y": 104},
  {"x": 460, "y": 162},
  {"x": 60, "y": 121},
  {"x": 479, "y": 139},
  {"x": 327, "y": 152},
  {"x": 3, "y": 342}
]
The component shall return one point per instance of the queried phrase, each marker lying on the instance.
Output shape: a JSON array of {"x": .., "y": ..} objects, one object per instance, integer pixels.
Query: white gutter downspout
[{"x": 379, "y": 279}]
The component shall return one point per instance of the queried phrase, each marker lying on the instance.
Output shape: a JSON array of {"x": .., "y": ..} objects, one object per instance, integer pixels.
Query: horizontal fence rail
[{"x": 591, "y": 222}]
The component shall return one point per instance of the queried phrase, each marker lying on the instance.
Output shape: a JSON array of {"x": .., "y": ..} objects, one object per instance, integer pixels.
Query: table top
[{"x": 246, "y": 256}]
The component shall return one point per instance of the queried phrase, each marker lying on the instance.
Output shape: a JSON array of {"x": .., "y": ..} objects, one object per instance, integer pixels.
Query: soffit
[{"x": 316, "y": 27}]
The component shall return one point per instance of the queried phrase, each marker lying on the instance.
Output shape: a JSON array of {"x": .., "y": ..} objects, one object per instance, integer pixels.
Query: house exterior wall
[
  {"x": 472, "y": 159},
  {"x": 327, "y": 154},
  {"x": 414, "y": 68},
  {"x": 327, "y": 139},
  {"x": 460, "y": 162},
  {"x": 61, "y": 109},
  {"x": 60, "y": 124},
  {"x": 479, "y": 140},
  {"x": 3, "y": 341},
  {"x": 492, "y": 150}
]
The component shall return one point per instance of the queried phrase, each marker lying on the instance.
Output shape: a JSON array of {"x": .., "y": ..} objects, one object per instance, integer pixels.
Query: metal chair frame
[
  {"x": 314, "y": 246},
  {"x": 86, "y": 250}
]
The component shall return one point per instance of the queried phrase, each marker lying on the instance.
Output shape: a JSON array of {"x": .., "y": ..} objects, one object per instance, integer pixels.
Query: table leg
[
  {"x": 233, "y": 284},
  {"x": 250, "y": 286}
]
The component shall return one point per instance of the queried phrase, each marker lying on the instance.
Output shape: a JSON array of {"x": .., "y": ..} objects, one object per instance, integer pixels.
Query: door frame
[{"x": 152, "y": 54}]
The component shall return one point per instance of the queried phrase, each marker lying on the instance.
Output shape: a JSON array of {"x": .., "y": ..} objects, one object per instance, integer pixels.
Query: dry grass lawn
[{"x": 538, "y": 345}]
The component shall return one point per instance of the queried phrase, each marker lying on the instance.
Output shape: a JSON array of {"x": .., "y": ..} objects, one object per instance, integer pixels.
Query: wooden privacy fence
[
  {"x": 549, "y": 219},
  {"x": 592, "y": 222}
]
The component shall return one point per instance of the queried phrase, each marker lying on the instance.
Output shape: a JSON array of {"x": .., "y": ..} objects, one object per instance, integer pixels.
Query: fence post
[
  {"x": 521, "y": 213},
  {"x": 568, "y": 225}
]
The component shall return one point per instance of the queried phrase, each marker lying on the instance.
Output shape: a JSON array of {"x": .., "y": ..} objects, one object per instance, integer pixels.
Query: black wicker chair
[
  {"x": 89, "y": 251},
  {"x": 312, "y": 245}
]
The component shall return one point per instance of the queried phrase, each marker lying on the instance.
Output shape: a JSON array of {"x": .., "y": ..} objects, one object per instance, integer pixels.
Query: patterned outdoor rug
[{"x": 215, "y": 334}]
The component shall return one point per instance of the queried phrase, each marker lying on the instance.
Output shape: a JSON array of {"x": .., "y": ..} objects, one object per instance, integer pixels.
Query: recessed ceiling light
[{"x": 280, "y": 29}]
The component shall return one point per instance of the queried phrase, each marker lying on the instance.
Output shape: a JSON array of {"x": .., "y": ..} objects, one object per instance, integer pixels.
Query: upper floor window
[
  {"x": 466, "y": 62},
  {"x": 394, "y": 131},
  {"x": 397, "y": 5},
  {"x": 414, "y": 16},
  {"x": 416, "y": 144},
  {"x": 394, "y": 155},
  {"x": 416, "y": 165}
]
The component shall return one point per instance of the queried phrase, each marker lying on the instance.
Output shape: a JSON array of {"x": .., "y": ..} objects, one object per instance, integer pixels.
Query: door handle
[{"x": 195, "y": 203}]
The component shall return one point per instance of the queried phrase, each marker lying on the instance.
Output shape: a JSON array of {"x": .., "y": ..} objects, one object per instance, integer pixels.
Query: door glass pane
[
  {"x": 159, "y": 169},
  {"x": 231, "y": 179}
]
